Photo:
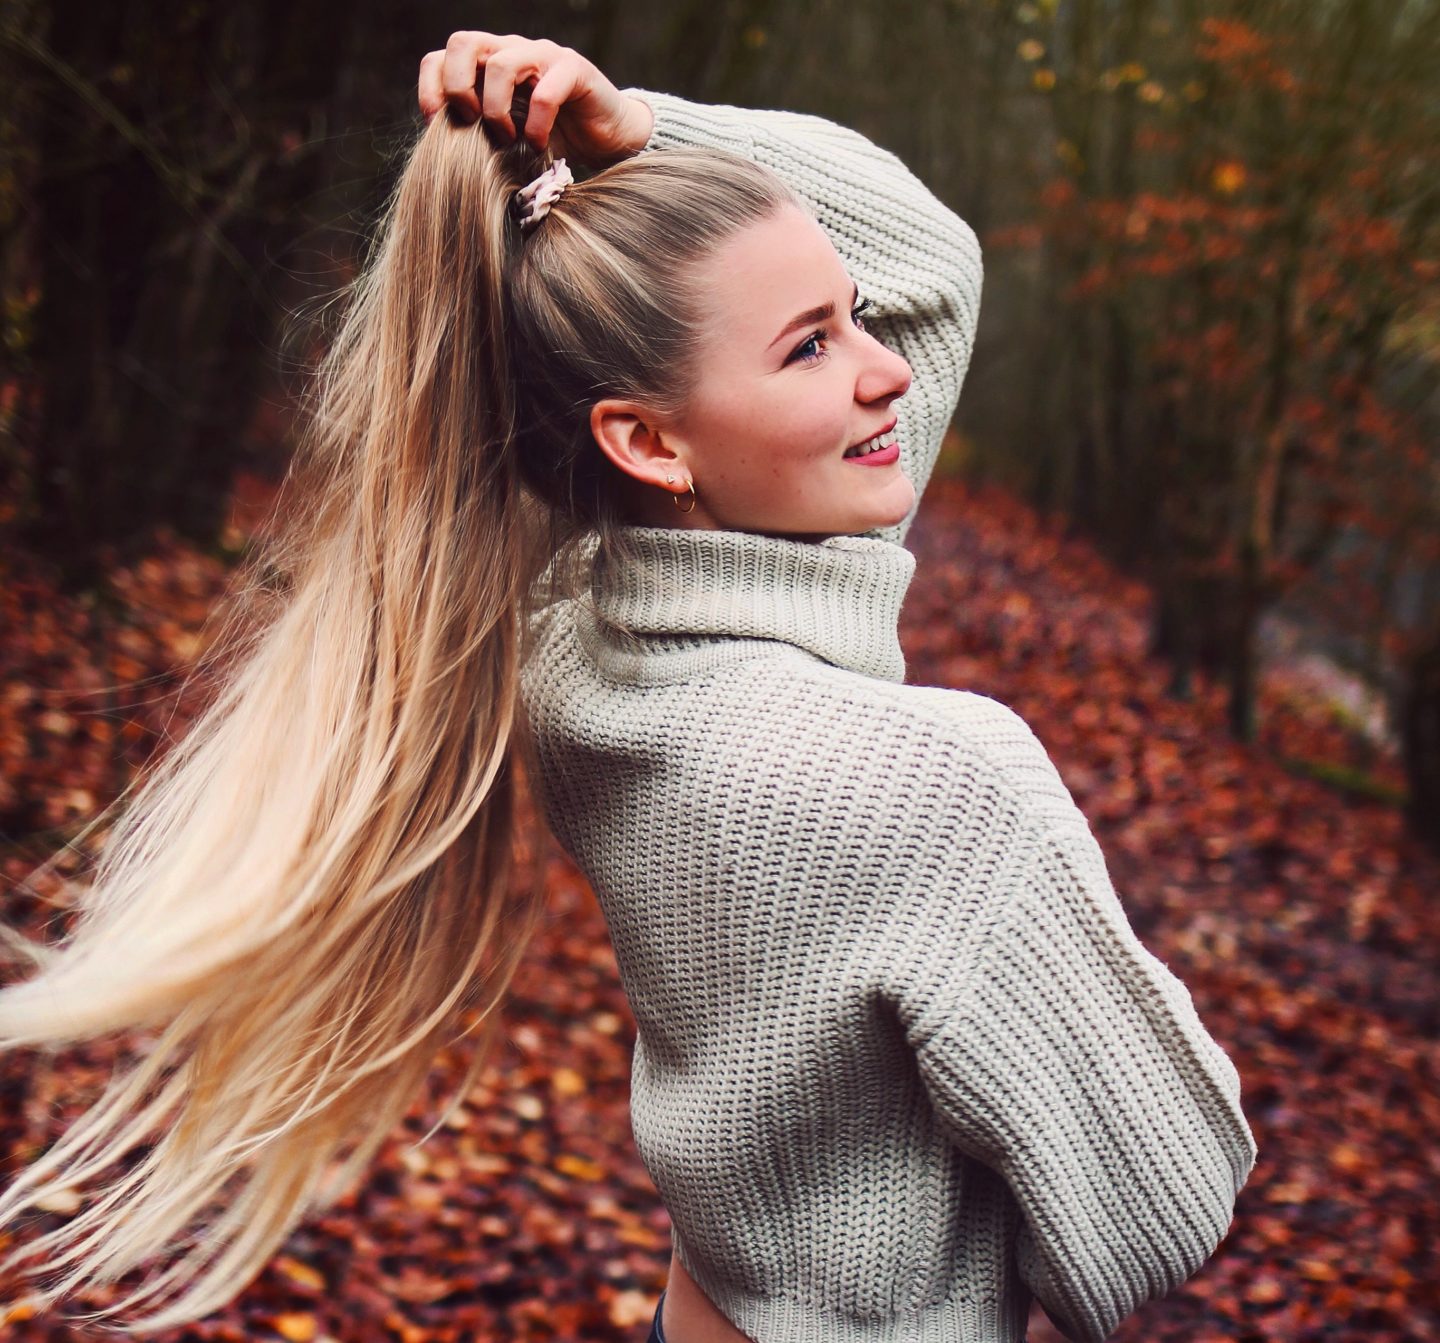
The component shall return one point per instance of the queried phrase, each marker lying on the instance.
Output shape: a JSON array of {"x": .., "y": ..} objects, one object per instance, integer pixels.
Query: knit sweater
[{"x": 901, "y": 1061}]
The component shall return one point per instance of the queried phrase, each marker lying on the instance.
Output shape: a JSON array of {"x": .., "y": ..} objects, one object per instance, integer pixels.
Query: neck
[
  {"x": 837, "y": 597},
  {"x": 642, "y": 505}
]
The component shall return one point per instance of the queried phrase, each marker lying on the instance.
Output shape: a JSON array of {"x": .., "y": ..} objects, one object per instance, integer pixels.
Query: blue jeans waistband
[{"x": 657, "y": 1334}]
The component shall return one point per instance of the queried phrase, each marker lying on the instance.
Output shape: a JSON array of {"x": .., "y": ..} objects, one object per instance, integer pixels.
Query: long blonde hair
[{"x": 313, "y": 889}]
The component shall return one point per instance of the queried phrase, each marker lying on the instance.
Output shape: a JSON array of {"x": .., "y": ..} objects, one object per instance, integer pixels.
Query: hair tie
[{"x": 533, "y": 202}]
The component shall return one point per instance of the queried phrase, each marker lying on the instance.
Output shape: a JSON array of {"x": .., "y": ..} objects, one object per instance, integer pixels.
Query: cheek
[
  {"x": 778, "y": 432},
  {"x": 807, "y": 427}
]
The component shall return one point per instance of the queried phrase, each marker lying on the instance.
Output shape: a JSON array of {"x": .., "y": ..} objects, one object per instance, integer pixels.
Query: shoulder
[
  {"x": 936, "y": 743},
  {"x": 907, "y": 805}
]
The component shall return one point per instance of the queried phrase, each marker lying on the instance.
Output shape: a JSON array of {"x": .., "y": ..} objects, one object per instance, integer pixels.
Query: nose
[{"x": 884, "y": 374}]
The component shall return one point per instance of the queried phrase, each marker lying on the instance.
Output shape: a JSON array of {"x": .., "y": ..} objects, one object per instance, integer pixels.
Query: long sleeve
[
  {"x": 914, "y": 258},
  {"x": 1059, "y": 1051}
]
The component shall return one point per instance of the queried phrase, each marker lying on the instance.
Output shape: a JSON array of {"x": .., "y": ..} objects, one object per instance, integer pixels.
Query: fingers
[
  {"x": 449, "y": 75},
  {"x": 506, "y": 61},
  {"x": 515, "y": 60},
  {"x": 431, "y": 91},
  {"x": 465, "y": 52},
  {"x": 548, "y": 96},
  {"x": 504, "y": 69}
]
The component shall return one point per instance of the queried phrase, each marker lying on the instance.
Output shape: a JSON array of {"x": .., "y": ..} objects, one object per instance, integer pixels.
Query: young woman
[{"x": 611, "y": 477}]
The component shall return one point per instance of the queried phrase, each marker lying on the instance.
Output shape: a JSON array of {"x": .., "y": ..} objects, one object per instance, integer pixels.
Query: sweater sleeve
[
  {"x": 914, "y": 258},
  {"x": 1060, "y": 1052}
]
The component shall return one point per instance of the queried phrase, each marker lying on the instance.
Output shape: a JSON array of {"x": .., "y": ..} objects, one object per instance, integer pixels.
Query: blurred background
[
  {"x": 1188, "y": 523},
  {"x": 1210, "y": 325}
]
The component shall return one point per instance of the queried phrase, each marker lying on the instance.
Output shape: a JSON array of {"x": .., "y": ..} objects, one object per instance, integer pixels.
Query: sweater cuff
[{"x": 680, "y": 123}]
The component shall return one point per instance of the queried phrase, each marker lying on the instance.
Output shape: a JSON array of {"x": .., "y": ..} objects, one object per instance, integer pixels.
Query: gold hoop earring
[{"x": 690, "y": 486}]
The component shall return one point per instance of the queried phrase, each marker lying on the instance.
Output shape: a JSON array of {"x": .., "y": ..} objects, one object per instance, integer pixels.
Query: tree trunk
[{"x": 1420, "y": 741}]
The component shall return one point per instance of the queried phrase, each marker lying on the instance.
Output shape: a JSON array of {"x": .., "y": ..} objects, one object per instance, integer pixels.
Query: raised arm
[{"x": 916, "y": 259}]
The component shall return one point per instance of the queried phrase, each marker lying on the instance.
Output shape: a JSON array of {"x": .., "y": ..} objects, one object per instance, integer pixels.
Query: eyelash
[{"x": 823, "y": 333}]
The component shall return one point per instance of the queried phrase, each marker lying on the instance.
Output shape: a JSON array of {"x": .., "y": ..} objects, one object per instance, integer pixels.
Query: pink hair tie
[{"x": 542, "y": 193}]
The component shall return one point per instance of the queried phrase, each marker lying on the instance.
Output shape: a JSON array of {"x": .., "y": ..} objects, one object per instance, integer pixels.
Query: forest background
[{"x": 1194, "y": 479}]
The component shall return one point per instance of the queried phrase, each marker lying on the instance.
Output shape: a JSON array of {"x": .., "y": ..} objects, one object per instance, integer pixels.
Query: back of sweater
[{"x": 901, "y": 1062}]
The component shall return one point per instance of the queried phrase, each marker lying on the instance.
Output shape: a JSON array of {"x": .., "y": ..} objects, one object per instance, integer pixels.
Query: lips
[
  {"x": 880, "y": 457},
  {"x": 880, "y": 449},
  {"x": 889, "y": 428}
]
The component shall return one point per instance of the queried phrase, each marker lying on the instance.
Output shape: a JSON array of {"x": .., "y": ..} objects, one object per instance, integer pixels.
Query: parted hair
[{"x": 313, "y": 891}]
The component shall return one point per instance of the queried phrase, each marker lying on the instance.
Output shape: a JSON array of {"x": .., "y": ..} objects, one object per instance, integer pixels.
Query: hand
[{"x": 574, "y": 108}]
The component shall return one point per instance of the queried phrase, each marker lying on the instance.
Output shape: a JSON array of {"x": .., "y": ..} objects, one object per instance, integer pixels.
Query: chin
[
  {"x": 851, "y": 526},
  {"x": 897, "y": 514}
]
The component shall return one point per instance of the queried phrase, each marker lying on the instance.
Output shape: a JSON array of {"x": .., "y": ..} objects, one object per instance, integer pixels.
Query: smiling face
[{"x": 787, "y": 380}]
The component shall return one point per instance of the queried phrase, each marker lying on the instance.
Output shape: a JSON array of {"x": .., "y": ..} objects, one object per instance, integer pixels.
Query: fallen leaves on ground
[{"x": 1305, "y": 924}]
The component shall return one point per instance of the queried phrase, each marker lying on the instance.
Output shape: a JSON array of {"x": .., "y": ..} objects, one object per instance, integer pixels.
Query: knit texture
[{"x": 901, "y": 1060}]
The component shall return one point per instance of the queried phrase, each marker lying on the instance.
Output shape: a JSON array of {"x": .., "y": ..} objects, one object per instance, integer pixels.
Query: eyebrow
[{"x": 821, "y": 314}]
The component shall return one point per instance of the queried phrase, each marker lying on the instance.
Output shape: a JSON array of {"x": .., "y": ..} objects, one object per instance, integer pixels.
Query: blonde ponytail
[
  {"x": 312, "y": 892},
  {"x": 313, "y": 887}
]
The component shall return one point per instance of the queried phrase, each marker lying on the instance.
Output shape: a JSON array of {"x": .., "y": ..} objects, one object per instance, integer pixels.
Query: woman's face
[{"x": 783, "y": 390}]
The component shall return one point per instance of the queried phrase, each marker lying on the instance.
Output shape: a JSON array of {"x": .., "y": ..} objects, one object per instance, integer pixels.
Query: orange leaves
[
  {"x": 1244, "y": 53},
  {"x": 89, "y": 687},
  {"x": 1302, "y": 923},
  {"x": 567, "y": 1082},
  {"x": 1350, "y": 1159},
  {"x": 579, "y": 1167},
  {"x": 1267, "y": 1290},
  {"x": 630, "y": 1310},
  {"x": 527, "y": 1214},
  {"x": 1232, "y": 40},
  {"x": 301, "y": 1273},
  {"x": 1247, "y": 243},
  {"x": 296, "y": 1328},
  {"x": 1227, "y": 177}
]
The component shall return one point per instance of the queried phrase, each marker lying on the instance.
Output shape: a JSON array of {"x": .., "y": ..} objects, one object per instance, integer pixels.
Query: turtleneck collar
[{"x": 838, "y": 598}]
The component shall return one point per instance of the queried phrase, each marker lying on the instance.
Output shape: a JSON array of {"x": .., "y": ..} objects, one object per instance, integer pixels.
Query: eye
[{"x": 823, "y": 334}]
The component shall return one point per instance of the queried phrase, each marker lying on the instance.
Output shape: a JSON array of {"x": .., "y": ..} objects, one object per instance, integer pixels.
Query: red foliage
[{"x": 1245, "y": 53}]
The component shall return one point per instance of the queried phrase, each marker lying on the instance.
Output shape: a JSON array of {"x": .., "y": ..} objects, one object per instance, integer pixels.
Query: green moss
[{"x": 1346, "y": 779}]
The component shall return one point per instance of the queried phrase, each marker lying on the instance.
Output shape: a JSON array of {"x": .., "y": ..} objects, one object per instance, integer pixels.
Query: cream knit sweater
[{"x": 901, "y": 1059}]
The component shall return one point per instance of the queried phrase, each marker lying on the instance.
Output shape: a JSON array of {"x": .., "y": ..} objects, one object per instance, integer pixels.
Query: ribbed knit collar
[{"x": 839, "y": 598}]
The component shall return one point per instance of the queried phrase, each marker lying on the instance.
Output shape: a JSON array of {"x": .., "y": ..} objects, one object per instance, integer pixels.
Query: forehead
[{"x": 760, "y": 278}]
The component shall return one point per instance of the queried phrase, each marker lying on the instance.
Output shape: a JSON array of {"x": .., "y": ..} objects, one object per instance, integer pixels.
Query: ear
[{"x": 628, "y": 436}]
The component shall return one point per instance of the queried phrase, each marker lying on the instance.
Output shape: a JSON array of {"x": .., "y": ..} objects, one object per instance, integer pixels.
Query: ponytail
[
  {"x": 313, "y": 890},
  {"x": 315, "y": 887}
]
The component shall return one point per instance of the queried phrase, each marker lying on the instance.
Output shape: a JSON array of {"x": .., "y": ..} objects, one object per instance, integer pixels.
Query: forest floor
[{"x": 1303, "y": 919}]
